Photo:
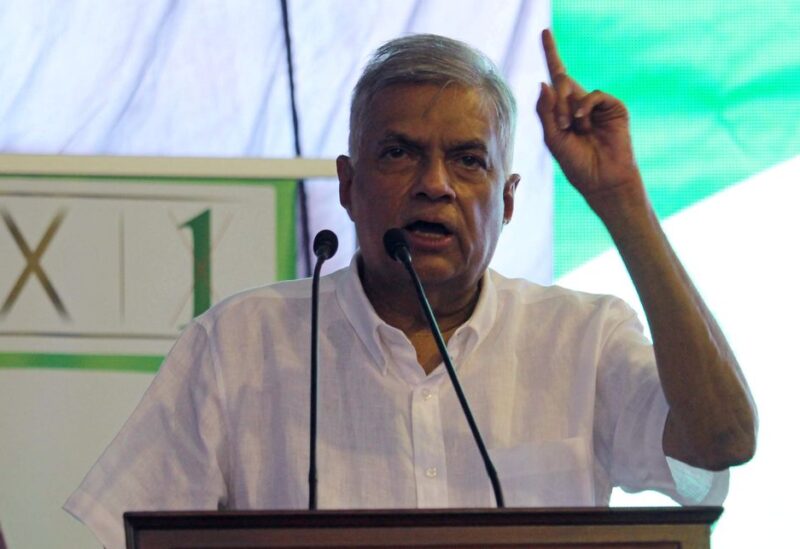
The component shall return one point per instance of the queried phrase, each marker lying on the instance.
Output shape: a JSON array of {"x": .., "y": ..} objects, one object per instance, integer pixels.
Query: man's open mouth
[{"x": 426, "y": 228}]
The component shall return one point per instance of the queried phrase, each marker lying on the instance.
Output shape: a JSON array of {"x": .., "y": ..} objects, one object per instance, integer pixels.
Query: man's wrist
[{"x": 619, "y": 206}]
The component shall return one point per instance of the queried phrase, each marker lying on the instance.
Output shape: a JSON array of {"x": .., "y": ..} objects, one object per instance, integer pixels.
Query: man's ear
[
  {"x": 344, "y": 170},
  {"x": 509, "y": 188}
]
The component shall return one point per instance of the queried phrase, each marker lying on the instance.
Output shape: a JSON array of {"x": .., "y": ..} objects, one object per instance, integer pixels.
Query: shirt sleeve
[
  {"x": 171, "y": 452},
  {"x": 631, "y": 416},
  {"x": 694, "y": 486}
]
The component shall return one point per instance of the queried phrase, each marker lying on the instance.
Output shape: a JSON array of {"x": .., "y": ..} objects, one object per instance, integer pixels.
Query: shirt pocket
[{"x": 553, "y": 473}]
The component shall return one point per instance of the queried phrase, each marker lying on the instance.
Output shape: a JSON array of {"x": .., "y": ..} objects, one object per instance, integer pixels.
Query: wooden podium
[{"x": 582, "y": 528}]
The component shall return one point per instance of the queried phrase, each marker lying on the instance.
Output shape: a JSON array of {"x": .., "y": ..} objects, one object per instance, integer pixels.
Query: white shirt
[{"x": 563, "y": 387}]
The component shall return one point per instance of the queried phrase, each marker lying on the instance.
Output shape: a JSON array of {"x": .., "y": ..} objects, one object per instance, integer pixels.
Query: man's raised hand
[{"x": 588, "y": 134}]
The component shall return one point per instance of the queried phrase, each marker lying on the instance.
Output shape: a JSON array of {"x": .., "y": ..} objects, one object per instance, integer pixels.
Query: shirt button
[
  {"x": 426, "y": 394},
  {"x": 431, "y": 472}
]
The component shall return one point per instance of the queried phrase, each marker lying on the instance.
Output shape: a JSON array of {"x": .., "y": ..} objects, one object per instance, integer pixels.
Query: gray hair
[{"x": 433, "y": 59}]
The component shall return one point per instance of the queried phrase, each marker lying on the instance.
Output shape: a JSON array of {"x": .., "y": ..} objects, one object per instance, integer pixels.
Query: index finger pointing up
[{"x": 554, "y": 64}]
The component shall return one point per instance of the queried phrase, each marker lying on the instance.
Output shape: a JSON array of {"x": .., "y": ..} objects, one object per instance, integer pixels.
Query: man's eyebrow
[
  {"x": 397, "y": 138},
  {"x": 400, "y": 139},
  {"x": 475, "y": 144}
]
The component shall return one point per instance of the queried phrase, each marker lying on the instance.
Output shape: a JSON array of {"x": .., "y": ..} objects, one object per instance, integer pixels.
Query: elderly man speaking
[{"x": 570, "y": 397}]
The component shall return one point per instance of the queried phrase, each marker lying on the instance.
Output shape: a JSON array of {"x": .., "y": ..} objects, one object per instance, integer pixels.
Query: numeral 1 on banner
[{"x": 201, "y": 237}]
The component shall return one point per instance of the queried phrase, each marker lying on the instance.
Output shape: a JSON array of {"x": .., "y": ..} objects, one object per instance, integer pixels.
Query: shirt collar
[
  {"x": 366, "y": 322},
  {"x": 359, "y": 311},
  {"x": 483, "y": 317}
]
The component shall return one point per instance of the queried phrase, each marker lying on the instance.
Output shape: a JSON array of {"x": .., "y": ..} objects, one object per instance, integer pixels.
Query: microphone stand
[
  {"x": 325, "y": 245},
  {"x": 396, "y": 246}
]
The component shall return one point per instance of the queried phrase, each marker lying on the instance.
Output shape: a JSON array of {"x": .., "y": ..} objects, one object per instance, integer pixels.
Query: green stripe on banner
[
  {"x": 286, "y": 248},
  {"x": 109, "y": 363},
  {"x": 713, "y": 88}
]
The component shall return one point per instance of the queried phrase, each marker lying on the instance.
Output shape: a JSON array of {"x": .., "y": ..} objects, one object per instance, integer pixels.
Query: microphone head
[
  {"x": 394, "y": 241},
  {"x": 325, "y": 244}
]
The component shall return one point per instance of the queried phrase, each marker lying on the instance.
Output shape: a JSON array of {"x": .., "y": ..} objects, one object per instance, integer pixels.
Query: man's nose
[{"x": 434, "y": 180}]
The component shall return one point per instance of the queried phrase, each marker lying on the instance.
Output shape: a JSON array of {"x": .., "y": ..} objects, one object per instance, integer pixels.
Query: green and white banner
[
  {"x": 104, "y": 270},
  {"x": 713, "y": 90},
  {"x": 104, "y": 261}
]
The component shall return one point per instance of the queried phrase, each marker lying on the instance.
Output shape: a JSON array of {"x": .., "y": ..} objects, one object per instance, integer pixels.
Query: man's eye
[
  {"x": 472, "y": 161},
  {"x": 394, "y": 153}
]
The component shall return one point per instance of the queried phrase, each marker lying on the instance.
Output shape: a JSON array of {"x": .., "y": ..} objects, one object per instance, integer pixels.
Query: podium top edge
[{"x": 426, "y": 517}]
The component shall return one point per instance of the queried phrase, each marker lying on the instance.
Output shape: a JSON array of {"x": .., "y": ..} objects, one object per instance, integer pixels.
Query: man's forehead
[
  {"x": 400, "y": 103},
  {"x": 433, "y": 90}
]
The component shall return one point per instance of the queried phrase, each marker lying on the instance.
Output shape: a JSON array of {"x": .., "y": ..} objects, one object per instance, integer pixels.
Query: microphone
[
  {"x": 394, "y": 241},
  {"x": 325, "y": 246}
]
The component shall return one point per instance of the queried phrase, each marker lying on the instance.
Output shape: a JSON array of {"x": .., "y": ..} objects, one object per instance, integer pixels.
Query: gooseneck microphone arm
[
  {"x": 325, "y": 246},
  {"x": 395, "y": 243}
]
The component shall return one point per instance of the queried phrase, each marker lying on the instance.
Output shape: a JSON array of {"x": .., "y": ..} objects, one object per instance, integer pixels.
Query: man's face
[{"x": 429, "y": 162}]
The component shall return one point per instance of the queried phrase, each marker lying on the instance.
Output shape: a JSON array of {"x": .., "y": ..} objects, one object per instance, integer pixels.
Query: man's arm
[{"x": 712, "y": 418}]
